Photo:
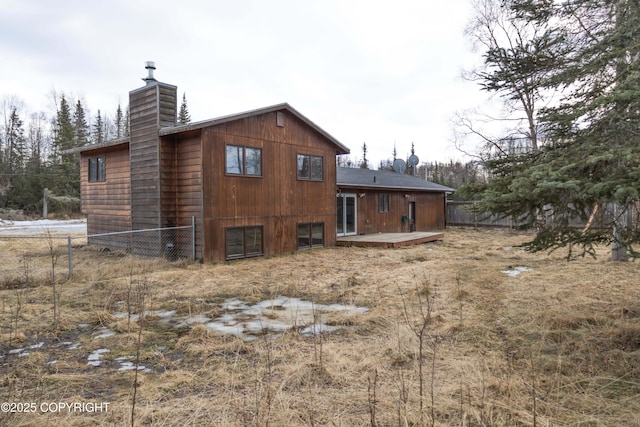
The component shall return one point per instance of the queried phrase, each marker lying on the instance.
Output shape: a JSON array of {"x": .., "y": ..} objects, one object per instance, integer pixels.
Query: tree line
[
  {"x": 453, "y": 174},
  {"x": 32, "y": 150}
]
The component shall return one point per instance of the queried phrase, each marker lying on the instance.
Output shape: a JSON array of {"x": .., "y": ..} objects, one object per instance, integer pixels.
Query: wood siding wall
[
  {"x": 430, "y": 211},
  {"x": 107, "y": 204},
  {"x": 277, "y": 200},
  {"x": 181, "y": 159}
]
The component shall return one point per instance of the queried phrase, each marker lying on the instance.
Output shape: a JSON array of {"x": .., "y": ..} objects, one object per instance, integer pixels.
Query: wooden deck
[{"x": 389, "y": 240}]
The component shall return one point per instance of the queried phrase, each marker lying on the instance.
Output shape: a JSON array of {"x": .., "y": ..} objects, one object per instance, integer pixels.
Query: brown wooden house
[
  {"x": 371, "y": 201},
  {"x": 262, "y": 182}
]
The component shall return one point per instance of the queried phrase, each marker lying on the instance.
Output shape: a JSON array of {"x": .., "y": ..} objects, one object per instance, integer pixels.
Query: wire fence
[
  {"x": 461, "y": 213},
  {"x": 171, "y": 243}
]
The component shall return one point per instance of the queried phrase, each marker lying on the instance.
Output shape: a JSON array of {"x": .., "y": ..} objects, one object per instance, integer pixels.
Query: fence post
[
  {"x": 70, "y": 257},
  {"x": 475, "y": 216},
  {"x": 45, "y": 206},
  {"x": 193, "y": 237}
]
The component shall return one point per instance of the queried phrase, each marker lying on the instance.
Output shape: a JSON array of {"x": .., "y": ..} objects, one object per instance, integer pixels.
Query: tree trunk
[{"x": 618, "y": 246}]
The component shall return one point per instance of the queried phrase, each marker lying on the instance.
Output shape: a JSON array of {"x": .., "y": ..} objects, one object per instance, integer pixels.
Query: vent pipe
[{"x": 150, "y": 66}]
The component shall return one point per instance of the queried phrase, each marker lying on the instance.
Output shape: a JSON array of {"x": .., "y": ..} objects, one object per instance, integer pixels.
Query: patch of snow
[
  {"x": 127, "y": 365},
  {"x": 95, "y": 358},
  {"x": 193, "y": 320},
  {"x": 165, "y": 316},
  {"x": 104, "y": 333},
  {"x": 21, "y": 352},
  {"x": 315, "y": 330},
  {"x": 73, "y": 226},
  {"x": 273, "y": 317},
  {"x": 515, "y": 272}
]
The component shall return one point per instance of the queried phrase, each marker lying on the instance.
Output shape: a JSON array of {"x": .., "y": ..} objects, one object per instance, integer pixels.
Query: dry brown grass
[{"x": 558, "y": 345}]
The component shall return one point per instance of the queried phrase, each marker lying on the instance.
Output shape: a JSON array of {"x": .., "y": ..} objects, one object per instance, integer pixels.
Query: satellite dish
[
  {"x": 399, "y": 165},
  {"x": 413, "y": 160}
]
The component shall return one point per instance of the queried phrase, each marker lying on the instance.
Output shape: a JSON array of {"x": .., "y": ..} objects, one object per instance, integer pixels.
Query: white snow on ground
[{"x": 28, "y": 228}]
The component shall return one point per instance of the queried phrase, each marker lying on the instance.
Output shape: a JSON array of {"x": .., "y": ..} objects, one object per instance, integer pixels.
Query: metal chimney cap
[{"x": 150, "y": 66}]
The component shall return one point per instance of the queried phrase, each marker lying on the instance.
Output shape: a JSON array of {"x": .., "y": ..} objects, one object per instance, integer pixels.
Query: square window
[
  {"x": 243, "y": 242},
  {"x": 310, "y": 235},
  {"x": 97, "y": 169},
  {"x": 243, "y": 160},
  {"x": 310, "y": 167}
]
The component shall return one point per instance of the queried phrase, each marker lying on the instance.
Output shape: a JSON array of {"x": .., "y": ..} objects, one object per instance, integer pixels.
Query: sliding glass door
[{"x": 346, "y": 214}]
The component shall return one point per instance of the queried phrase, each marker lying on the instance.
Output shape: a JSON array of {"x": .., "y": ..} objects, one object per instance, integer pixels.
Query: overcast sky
[{"x": 364, "y": 71}]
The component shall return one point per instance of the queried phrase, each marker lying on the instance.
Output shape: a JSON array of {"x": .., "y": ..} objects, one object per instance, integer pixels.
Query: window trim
[
  {"x": 310, "y": 159},
  {"x": 244, "y": 242},
  {"x": 309, "y": 235},
  {"x": 243, "y": 166},
  {"x": 97, "y": 169}
]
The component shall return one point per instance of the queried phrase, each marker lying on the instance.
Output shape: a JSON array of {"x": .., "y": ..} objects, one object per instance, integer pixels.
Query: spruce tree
[
  {"x": 64, "y": 132},
  {"x": 80, "y": 125},
  {"x": 15, "y": 142},
  {"x": 591, "y": 164},
  {"x": 98, "y": 129},
  {"x": 13, "y": 157},
  {"x": 119, "y": 123},
  {"x": 63, "y": 167},
  {"x": 365, "y": 163},
  {"x": 183, "y": 116},
  {"x": 126, "y": 122},
  {"x": 34, "y": 179}
]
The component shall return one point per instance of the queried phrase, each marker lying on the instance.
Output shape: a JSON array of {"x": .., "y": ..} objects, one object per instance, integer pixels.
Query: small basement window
[
  {"x": 310, "y": 235},
  {"x": 97, "y": 169},
  {"x": 243, "y": 242}
]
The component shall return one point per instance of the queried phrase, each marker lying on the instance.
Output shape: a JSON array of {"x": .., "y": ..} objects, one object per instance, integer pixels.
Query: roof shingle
[{"x": 356, "y": 177}]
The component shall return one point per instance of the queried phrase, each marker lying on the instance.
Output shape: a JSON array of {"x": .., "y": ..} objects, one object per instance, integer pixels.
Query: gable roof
[
  {"x": 365, "y": 178},
  {"x": 341, "y": 148},
  {"x": 172, "y": 130}
]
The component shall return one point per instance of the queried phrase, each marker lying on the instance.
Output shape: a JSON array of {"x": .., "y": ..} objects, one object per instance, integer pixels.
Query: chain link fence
[{"x": 171, "y": 243}]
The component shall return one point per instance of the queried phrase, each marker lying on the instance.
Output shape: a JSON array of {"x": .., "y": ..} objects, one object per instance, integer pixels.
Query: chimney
[{"x": 151, "y": 108}]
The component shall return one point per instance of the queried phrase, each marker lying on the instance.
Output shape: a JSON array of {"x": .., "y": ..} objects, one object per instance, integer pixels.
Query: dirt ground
[{"x": 447, "y": 338}]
